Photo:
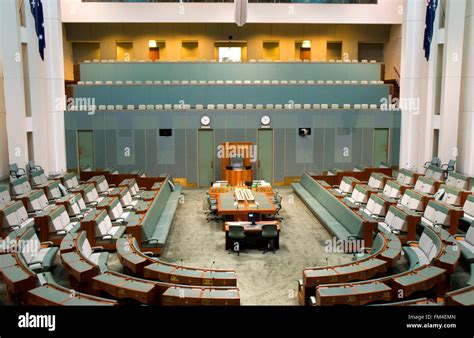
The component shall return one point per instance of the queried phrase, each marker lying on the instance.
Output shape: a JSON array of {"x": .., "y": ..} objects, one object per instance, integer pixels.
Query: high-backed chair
[
  {"x": 392, "y": 189},
  {"x": 105, "y": 229},
  {"x": 435, "y": 161},
  {"x": 466, "y": 244},
  {"x": 5, "y": 197},
  {"x": 376, "y": 207},
  {"x": 70, "y": 181},
  {"x": 412, "y": 200},
  {"x": 436, "y": 214},
  {"x": 237, "y": 237},
  {"x": 13, "y": 217},
  {"x": 39, "y": 256},
  {"x": 269, "y": 234},
  {"x": 468, "y": 208},
  {"x": 457, "y": 181},
  {"x": 346, "y": 187},
  {"x": 16, "y": 172},
  {"x": 395, "y": 221},
  {"x": 20, "y": 186},
  {"x": 33, "y": 167},
  {"x": 449, "y": 167},
  {"x": 425, "y": 250},
  {"x": 92, "y": 254},
  {"x": 60, "y": 223},
  {"x": 40, "y": 181}
]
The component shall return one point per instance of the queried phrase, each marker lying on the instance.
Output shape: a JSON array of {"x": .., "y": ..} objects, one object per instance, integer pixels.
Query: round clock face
[
  {"x": 265, "y": 120},
  {"x": 205, "y": 120}
]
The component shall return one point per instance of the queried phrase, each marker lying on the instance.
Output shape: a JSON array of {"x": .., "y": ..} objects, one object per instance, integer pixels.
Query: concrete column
[
  {"x": 452, "y": 73},
  {"x": 412, "y": 63},
  {"x": 11, "y": 59},
  {"x": 54, "y": 84}
]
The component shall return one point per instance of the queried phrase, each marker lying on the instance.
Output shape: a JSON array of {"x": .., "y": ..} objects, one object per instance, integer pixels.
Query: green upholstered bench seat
[
  {"x": 159, "y": 218},
  {"x": 321, "y": 213},
  {"x": 337, "y": 217}
]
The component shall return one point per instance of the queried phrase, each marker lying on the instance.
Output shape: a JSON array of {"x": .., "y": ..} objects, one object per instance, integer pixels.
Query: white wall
[
  {"x": 385, "y": 12},
  {"x": 466, "y": 122},
  {"x": 46, "y": 83},
  {"x": 392, "y": 52},
  {"x": 3, "y": 130}
]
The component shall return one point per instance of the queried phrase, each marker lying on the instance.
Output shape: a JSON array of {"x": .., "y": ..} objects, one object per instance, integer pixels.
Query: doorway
[
  {"x": 381, "y": 145},
  {"x": 205, "y": 157},
  {"x": 265, "y": 155},
  {"x": 85, "y": 148}
]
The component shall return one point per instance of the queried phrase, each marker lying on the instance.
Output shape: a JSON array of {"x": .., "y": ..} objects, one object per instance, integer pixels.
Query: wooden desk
[
  {"x": 252, "y": 231},
  {"x": 195, "y": 296},
  {"x": 236, "y": 176},
  {"x": 225, "y": 206}
]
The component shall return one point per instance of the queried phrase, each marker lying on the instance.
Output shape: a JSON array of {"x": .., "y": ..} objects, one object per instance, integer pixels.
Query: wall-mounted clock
[
  {"x": 265, "y": 120},
  {"x": 205, "y": 120}
]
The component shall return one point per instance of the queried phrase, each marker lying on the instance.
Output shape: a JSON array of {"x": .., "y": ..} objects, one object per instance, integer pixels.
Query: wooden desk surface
[
  {"x": 225, "y": 205},
  {"x": 248, "y": 227}
]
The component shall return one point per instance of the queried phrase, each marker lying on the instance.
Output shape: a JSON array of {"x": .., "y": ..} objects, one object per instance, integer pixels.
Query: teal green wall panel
[{"x": 113, "y": 130}]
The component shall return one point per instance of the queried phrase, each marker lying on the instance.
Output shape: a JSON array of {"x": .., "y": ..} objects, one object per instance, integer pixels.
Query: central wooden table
[{"x": 227, "y": 206}]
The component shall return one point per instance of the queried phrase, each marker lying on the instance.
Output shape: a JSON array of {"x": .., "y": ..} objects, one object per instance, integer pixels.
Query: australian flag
[
  {"x": 37, "y": 11},
  {"x": 429, "y": 23}
]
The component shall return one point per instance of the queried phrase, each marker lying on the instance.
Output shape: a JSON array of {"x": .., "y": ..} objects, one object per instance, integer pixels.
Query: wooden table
[
  {"x": 251, "y": 231},
  {"x": 226, "y": 206}
]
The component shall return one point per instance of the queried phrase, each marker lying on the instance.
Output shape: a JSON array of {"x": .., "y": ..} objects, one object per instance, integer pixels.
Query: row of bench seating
[
  {"x": 88, "y": 271},
  {"x": 402, "y": 204},
  {"x": 428, "y": 276},
  {"x": 228, "y": 82},
  {"x": 377, "y": 261},
  {"x": 224, "y": 106},
  {"x": 141, "y": 264},
  {"x": 214, "y": 60}
]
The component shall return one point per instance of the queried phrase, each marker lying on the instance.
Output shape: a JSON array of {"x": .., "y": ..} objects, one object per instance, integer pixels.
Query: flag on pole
[
  {"x": 429, "y": 26},
  {"x": 37, "y": 11}
]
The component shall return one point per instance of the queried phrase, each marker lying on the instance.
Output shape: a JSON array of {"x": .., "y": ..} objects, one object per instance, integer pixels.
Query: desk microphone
[{"x": 327, "y": 263}]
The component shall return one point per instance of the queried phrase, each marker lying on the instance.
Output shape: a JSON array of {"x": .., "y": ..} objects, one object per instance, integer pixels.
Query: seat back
[
  {"x": 468, "y": 207},
  {"x": 125, "y": 197},
  {"x": 101, "y": 184},
  {"x": 412, "y": 200},
  {"x": 83, "y": 245},
  {"x": 70, "y": 181},
  {"x": 9, "y": 215},
  {"x": 58, "y": 219},
  {"x": 4, "y": 196},
  {"x": 103, "y": 224},
  {"x": 396, "y": 219},
  {"x": 237, "y": 231},
  {"x": 116, "y": 209},
  {"x": 405, "y": 177},
  {"x": 376, "y": 181},
  {"x": 346, "y": 185},
  {"x": 75, "y": 205},
  {"x": 30, "y": 245},
  {"x": 37, "y": 201},
  {"x": 425, "y": 185},
  {"x": 392, "y": 189},
  {"x": 458, "y": 181},
  {"x": 376, "y": 205},
  {"x": 436, "y": 173},
  {"x": 378, "y": 244},
  {"x": 437, "y": 213},
  {"x": 430, "y": 243},
  {"x": 20, "y": 186},
  {"x": 470, "y": 235},
  {"x": 90, "y": 193},
  {"x": 450, "y": 196},
  {"x": 360, "y": 194},
  {"x": 38, "y": 178}
]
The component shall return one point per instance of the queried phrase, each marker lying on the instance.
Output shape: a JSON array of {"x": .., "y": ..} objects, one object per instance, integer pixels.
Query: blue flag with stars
[
  {"x": 37, "y": 11},
  {"x": 429, "y": 23}
]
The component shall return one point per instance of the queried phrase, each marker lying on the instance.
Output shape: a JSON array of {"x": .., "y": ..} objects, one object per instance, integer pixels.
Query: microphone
[{"x": 327, "y": 263}]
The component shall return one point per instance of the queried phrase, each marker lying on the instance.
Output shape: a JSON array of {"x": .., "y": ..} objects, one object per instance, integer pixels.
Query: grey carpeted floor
[{"x": 263, "y": 279}]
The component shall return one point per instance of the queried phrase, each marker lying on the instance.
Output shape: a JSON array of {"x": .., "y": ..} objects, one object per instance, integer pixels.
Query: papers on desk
[{"x": 238, "y": 223}]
